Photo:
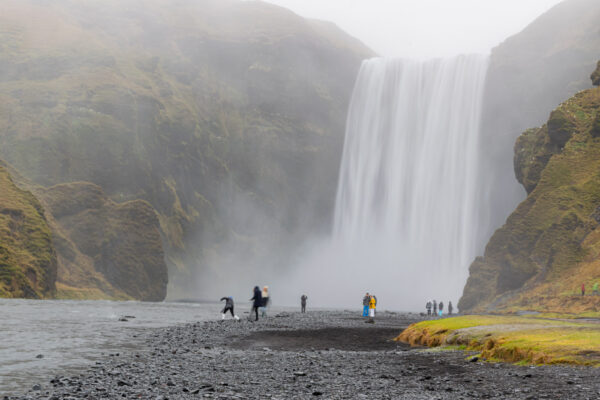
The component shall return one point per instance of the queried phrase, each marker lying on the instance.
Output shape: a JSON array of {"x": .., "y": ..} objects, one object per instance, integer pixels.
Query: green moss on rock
[
  {"x": 28, "y": 263},
  {"x": 596, "y": 76},
  {"x": 595, "y": 131},
  {"x": 560, "y": 127},
  {"x": 120, "y": 242},
  {"x": 550, "y": 232}
]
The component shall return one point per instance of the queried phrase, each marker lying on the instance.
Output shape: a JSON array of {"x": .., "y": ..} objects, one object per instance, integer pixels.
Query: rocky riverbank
[{"x": 329, "y": 354}]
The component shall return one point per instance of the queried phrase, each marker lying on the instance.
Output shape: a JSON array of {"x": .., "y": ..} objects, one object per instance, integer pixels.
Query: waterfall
[{"x": 405, "y": 221}]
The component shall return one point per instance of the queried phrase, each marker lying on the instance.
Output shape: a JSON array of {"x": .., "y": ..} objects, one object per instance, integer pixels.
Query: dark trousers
[
  {"x": 228, "y": 309},
  {"x": 303, "y": 308},
  {"x": 255, "y": 310}
]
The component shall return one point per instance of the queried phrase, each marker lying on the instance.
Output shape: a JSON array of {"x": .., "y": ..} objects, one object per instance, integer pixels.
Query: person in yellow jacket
[{"x": 372, "y": 303}]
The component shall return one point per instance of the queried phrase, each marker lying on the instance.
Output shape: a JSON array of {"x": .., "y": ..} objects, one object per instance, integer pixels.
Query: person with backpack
[
  {"x": 366, "y": 305},
  {"x": 428, "y": 307},
  {"x": 441, "y": 308}
]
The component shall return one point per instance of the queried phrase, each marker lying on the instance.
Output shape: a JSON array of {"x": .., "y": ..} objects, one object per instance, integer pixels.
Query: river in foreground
[{"x": 41, "y": 339}]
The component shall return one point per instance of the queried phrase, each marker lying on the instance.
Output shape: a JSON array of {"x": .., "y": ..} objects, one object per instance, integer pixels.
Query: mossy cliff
[
  {"x": 226, "y": 116},
  {"x": 550, "y": 244},
  {"x": 28, "y": 263},
  {"x": 105, "y": 249},
  {"x": 530, "y": 74}
]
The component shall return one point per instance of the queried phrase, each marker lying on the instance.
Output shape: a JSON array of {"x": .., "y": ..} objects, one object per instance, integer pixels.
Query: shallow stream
[{"x": 43, "y": 339}]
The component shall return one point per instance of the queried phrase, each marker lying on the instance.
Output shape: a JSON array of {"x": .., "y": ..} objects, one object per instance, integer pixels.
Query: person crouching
[{"x": 228, "y": 307}]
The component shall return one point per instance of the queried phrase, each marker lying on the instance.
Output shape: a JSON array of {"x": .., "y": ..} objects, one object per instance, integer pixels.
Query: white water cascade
[
  {"x": 407, "y": 196},
  {"x": 406, "y": 215}
]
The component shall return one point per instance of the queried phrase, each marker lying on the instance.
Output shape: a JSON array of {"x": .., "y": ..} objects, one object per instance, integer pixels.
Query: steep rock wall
[{"x": 550, "y": 244}]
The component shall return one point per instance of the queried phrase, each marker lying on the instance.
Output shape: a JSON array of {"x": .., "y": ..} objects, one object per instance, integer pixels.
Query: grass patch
[{"x": 532, "y": 339}]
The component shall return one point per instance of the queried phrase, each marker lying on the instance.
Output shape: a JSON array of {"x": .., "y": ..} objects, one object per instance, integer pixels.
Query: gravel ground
[{"x": 332, "y": 355}]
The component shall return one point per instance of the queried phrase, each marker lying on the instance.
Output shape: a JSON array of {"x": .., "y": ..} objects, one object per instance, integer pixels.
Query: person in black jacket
[
  {"x": 303, "y": 299},
  {"x": 257, "y": 298},
  {"x": 228, "y": 307}
]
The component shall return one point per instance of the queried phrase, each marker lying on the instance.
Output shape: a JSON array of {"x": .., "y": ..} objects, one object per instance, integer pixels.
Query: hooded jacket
[{"x": 257, "y": 297}]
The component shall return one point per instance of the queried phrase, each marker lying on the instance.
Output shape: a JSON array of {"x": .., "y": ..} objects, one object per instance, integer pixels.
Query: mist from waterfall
[{"x": 407, "y": 209}]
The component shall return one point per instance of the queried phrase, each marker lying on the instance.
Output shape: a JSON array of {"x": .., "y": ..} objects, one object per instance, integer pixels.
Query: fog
[
  {"x": 425, "y": 28},
  {"x": 231, "y": 126},
  {"x": 403, "y": 271}
]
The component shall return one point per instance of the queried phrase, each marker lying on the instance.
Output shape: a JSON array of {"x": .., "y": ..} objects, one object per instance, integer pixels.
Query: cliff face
[
  {"x": 550, "y": 244},
  {"x": 226, "y": 116},
  {"x": 78, "y": 244},
  {"x": 105, "y": 249},
  {"x": 530, "y": 74},
  {"x": 28, "y": 262}
]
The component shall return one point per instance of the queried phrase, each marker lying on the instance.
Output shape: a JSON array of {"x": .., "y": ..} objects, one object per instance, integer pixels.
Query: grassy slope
[
  {"x": 27, "y": 259},
  {"x": 536, "y": 340},
  {"x": 182, "y": 106},
  {"x": 550, "y": 244}
]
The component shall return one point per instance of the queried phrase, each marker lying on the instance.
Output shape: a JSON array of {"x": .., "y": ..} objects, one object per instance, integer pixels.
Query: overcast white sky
[{"x": 425, "y": 28}]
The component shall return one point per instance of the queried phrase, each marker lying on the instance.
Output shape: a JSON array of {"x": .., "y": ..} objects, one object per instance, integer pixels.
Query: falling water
[{"x": 405, "y": 217}]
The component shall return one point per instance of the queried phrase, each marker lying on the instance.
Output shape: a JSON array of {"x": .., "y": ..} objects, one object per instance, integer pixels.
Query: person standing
[
  {"x": 372, "y": 303},
  {"x": 434, "y": 307},
  {"x": 441, "y": 308},
  {"x": 583, "y": 289},
  {"x": 257, "y": 302},
  {"x": 366, "y": 305},
  {"x": 595, "y": 289},
  {"x": 428, "y": 307},
  {"x": 228, "y": 307},
  {"x": 450, "y": 308},
  {"x": 303, "y": 299},
  {"x": 265, "y": 301}
]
